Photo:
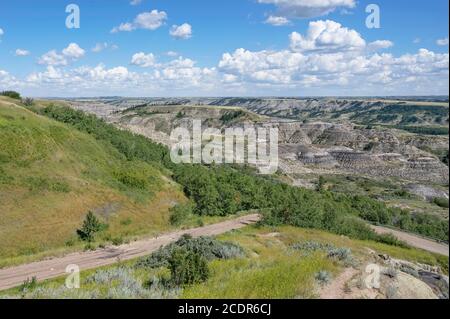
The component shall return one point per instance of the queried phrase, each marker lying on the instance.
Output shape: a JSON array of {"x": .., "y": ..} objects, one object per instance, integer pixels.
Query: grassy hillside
[{"x": 51, "y": 175}]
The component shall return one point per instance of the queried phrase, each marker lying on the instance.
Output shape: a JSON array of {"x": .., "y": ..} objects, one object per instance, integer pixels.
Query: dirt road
[
  {"x": 52, "y": 268},
  {"x": 415, "y": 241}
]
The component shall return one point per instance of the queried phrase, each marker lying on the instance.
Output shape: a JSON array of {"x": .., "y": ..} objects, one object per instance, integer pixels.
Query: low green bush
[
  {"x": 131, "y": 180},
  {"x": 91, "y": 226},
  {"x": 180, "y": 213},
  {"x": 187, "y": 267},
  {"x": 28, "y": 285},
  {"x": 441, "y": 202}
]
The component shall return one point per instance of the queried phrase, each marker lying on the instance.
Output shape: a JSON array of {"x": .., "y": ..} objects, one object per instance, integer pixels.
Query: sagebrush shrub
[
  {"x": 312, "y": 246},
  {"x": 341, "y": 254},
  {"x": 207, "y": 247},
  {"x": 123, "y": 285},
  {"x": 323, "y": 277},
  {"x": 102, "y": 277},
  {"x": 390, "y": 272}
]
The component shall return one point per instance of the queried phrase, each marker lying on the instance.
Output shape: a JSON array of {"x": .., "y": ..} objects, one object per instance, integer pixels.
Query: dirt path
[
  {"x": 415, "y": 241},
  {"x": 52, "y": 268},
  {"x": 335, "y": 290}
]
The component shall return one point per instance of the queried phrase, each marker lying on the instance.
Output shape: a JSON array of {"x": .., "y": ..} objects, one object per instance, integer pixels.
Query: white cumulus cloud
[
  {"x": 277, "y": 21},
  {"x": 380, "y": 44},
  {"x": 124, "y": 27},
  {"x": 73, "y": 51},
  {"x": 52, "y": 58},
  {"x": 22, "y": 52},
  {"x": 326, "y": 36},
  {"x": 183, "y": 31},
  {"x": 143, "y": 60},
  {"x": 146, "y": 20}
]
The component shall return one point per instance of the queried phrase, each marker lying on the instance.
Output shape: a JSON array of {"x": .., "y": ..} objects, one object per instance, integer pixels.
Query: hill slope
[{"x": 51, "y": 175}]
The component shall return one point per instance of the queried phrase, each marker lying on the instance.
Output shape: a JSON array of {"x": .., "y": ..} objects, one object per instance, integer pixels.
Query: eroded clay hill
[{"x": 305, "y": 147}]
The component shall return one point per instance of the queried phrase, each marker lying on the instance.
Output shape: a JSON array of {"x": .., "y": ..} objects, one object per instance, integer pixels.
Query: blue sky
[{"x": 224, "y": 47}]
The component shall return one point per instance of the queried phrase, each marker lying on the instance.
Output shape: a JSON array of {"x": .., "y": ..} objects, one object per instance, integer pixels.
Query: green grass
[
  {"x": 270, "y": 269},
  {"x": 359, "y": 247},
  {"x": 283, "y": 278},
  {"x": 53, "y": 174},
  {"x": 274, "y": 274}
]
